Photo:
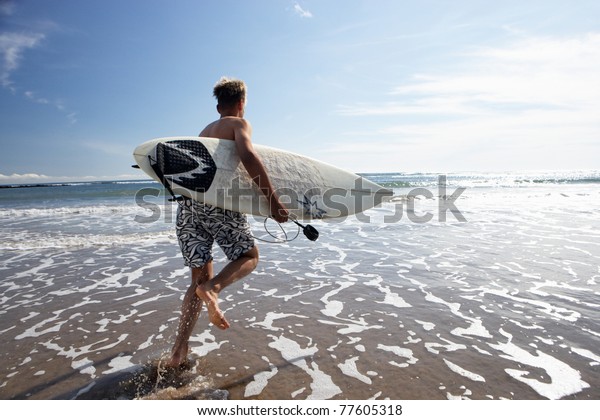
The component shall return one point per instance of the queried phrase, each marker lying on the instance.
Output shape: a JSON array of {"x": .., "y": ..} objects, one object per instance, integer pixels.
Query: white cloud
[
  {"x": 58, "y": 104},
  {"x": 33, "y": 178},
  {"x": 34, "y": 98},
  {"x": 301, "y": 12},
  {"x": 20, "y": 177},
  {"x": 12, "y": 46},
  {"x": 72, "y": 118},
  {"x": 531, "y": 103},
  {"x": 535, "y": 72}
]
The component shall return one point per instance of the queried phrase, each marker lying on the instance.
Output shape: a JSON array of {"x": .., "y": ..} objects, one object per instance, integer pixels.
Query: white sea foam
[
  {"x": 37, "y": 331},
  {"x": 400, "y": 352},
  {"x": 390, "y": 298},
  {"x": 349, "y": 368},
  {"x": 84, "y": 366},
  {"x": 450, "y": 346},
  {"x": 334, "y": 307},
  {"x": 588, "y": 354},
  {"x": 271, "y": 317},
  {"x": 297, "y": 392},
  {"x": 564, "y": 380},
  {"x": 427, "y": 326},
  {"x": 25, "y": 361},
  {"x": 463, "y": 372},
  {"x": 9, "y": 214},
  {"x": 260, "y": 381},
  {"x": 322, "y": 385},
  {"x": 545, "y": 307},
  {"x": 41, "y": 240},
  {"x": 208, "y": 343},
  {"x": 119, "y": 364},
  {"x": 352, "y": 327}
]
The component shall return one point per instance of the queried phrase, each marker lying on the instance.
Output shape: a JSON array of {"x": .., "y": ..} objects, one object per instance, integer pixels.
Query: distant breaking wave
[
  {"x": 77, "y": 184},
  {"x": 482, "y": 179}
]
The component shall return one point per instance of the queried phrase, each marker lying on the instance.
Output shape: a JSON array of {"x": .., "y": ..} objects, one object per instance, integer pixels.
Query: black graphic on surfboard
[
  {"x": 311, "y": 209},
  {"x": 186, "y": 163}
]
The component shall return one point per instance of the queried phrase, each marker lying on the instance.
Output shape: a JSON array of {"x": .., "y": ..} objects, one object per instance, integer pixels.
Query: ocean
[{"x": 463, "y": 286}]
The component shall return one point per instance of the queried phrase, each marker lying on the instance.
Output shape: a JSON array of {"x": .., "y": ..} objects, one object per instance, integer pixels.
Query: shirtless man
[{"x": 199, "y": 224}]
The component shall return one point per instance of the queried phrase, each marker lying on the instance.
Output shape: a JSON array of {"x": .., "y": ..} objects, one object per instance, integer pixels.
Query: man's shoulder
[
  {"x": 237, "y": 122},
  {"x": 240, "y": 127},
  {"x": 234, "y": 123}
]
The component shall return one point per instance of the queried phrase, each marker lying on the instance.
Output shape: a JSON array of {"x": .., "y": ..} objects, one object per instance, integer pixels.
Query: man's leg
[
  {"x": 208, "y": 290},
  {"x": 190, "y": 310}
]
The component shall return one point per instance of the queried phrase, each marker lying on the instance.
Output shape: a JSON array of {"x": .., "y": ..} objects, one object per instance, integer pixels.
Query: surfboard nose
[
  {"x": 384, "y": 192},
  {"x": 376, "y": 189},
  {"x": 382, "y": 195}
]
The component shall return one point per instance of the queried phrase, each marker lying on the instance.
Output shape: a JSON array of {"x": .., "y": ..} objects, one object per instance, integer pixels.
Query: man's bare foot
[
  {"x": 178, "y": 358},
  {"x": 212, "y": 304}
]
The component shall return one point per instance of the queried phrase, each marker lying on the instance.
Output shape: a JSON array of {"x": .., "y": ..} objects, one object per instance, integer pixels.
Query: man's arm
[{"x": 256, "y": 169}]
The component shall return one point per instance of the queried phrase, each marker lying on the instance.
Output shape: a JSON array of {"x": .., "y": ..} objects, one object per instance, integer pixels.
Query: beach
[{"x": 496, "y": 301}]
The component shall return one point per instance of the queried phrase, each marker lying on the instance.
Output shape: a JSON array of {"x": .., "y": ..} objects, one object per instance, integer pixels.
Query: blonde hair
[{"x": 229, "y": 91}]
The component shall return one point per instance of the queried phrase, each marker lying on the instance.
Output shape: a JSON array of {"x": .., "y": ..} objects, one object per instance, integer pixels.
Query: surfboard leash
[{"x": 309, "y": 231}]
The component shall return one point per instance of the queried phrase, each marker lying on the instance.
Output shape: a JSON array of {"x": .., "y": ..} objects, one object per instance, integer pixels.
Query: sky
[{"x": 367, "y": 85}]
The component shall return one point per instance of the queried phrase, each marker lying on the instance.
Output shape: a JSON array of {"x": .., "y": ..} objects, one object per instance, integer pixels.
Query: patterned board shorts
[{"x": 199, "y": 225}]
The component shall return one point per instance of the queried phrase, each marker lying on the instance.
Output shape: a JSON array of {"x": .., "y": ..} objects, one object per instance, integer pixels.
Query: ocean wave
[
  {"x": 482, "y": 179},
  {"x": 77, "y": 183},
  {"x": 96, "y": 210},
  {"x": 27, "y": 241}
]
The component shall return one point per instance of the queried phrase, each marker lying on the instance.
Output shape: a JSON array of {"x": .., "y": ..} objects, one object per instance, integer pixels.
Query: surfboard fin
[
  {"x": 135, "y": 166},
  {"x": 163, "y": 179}
]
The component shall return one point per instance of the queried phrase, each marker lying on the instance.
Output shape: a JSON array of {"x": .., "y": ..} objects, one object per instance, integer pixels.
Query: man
[{"x": 199, "y": 224}]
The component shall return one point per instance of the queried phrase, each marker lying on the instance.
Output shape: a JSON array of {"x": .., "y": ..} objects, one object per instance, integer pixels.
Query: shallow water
[{"x": 504, "y": 305}]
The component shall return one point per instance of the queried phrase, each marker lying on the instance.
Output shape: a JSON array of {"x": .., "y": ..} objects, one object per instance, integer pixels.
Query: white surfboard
[{"x": 209, "y": 170}]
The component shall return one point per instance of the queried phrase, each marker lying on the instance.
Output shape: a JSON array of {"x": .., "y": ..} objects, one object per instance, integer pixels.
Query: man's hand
[{"x": 278, "y": 211}]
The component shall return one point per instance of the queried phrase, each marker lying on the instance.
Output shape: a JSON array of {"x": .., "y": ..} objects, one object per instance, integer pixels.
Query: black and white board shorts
[{"x": 199, "y": 225}]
